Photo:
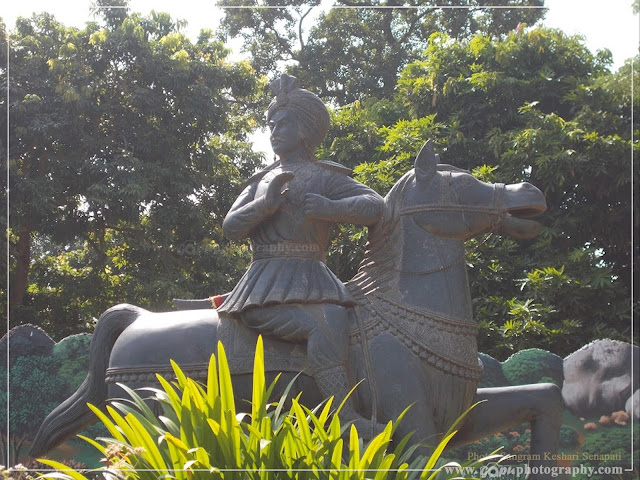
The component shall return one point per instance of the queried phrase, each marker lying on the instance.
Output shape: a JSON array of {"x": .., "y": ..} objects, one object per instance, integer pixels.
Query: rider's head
[{"x": 305, "y": 109}]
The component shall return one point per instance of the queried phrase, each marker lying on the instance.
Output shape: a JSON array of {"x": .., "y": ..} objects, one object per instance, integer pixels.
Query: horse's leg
[
  {"x": 400, "y": 382},
  {"x": 538, "y": 404}
]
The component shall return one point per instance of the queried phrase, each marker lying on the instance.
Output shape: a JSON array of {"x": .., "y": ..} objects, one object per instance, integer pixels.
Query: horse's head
[
  {"x": 429, "y": 213},
  {"x": 449, "y": 202}
]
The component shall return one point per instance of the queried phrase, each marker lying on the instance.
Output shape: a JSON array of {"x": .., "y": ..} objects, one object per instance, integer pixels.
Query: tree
[
  {"x": 538, "y": 107},
  {"x": 127, "y": 149},
  {"x": 358, "y": 48}
]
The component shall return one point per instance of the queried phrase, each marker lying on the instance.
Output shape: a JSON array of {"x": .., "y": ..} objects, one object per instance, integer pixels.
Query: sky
[{"x": 610, "y": 24}]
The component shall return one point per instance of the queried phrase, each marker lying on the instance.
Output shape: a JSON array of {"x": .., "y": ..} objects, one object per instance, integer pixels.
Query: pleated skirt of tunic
[{"x": 286, "y": 280}]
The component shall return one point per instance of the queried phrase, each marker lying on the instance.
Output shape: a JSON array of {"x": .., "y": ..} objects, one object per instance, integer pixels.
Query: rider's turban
[{"x": 312, "y": 114}]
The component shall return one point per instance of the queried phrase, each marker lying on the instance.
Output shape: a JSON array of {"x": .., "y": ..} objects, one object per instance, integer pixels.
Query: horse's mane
[{"x": 382, "y": 255}]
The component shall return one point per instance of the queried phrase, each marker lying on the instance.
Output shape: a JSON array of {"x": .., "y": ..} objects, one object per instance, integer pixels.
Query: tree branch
[
  {"x": 386, "y": 26},
  {"x": 300, "y": 39},
  {"x": 412, "y": 26},
  {"x": 281, "y": 41}
]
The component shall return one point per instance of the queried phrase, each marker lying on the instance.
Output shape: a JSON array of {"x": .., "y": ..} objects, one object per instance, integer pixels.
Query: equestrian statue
[{"x": 402, "y": 328}]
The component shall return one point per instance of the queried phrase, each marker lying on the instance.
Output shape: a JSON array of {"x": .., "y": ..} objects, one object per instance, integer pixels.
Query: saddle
[{"x": 240, "y": 342}]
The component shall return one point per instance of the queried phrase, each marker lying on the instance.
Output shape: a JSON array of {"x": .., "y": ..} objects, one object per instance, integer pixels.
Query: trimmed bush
[
  {"x": 568, "y": 438},
  {"x": 34, "y": 392},
  {"x": 72, "y": 354},
  {"x": 610, "y": 447},
  {"x": 533, "y": 365}
]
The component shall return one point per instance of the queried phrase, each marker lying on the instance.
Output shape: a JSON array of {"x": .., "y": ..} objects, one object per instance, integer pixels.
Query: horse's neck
[
  {"x": 432, "y": 274},
  {"x": 424, "y": 304},
  {"x": 419, "y": 270},
  {"x": 411, "y": 266},
  {"x": 444, "y": 292}
]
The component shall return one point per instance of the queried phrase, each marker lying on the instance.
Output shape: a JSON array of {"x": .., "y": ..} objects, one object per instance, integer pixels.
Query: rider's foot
[
  {"x": 366, "y": 428},
  {"x": 333, "y": 382}
]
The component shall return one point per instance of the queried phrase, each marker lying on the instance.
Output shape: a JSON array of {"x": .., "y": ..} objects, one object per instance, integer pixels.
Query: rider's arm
[
  {"x": 246, "y": 213},
  {"x": 346, "y": 201}
]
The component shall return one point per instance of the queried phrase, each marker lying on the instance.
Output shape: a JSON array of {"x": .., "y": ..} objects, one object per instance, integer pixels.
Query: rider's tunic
[{"x": 289, "y": 249}]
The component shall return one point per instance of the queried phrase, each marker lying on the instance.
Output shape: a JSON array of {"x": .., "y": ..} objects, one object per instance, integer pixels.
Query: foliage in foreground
[
  {"x": 200, "y": 434},
  {"x": 611, "y": 446}
]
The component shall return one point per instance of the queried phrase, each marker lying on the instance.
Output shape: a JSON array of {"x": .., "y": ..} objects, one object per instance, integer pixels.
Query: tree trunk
[{"x": 18, "y": 290}]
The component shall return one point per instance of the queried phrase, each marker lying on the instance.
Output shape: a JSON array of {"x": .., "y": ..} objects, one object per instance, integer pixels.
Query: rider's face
[{"x": 285, "y": 137}]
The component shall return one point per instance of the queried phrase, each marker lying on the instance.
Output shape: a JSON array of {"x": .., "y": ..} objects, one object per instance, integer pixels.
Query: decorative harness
[{"x": 442, "y": 341}]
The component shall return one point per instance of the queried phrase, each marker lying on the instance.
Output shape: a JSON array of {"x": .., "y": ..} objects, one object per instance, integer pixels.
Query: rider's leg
[
  {"x": 325, "y": 328},
  {"x": 328, "y": 349}
]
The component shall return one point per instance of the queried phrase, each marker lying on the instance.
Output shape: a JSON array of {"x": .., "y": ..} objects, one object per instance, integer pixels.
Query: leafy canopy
[
  {"x": 532, "y": 106},
  {"x": 128, "y": 146},
  {"x": 356, "y": 49}
]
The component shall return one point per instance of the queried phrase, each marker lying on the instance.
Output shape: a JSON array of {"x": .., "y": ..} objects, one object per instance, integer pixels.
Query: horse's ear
[{"x": 426, "y": 162}]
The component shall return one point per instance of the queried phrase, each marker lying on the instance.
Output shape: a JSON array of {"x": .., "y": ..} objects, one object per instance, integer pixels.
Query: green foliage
[
  {"x": 515, "y": 442},
  {"x": 38, "y": 384},
  {"x": 534, "y": 106},
  {"x": 72, "y": 356},
  {"x": 531, "y": 106},
  {"x": 33, "y": 392},
  {"x": 354, "y": 53},
  {"x": 568, "y": 438},
  {"x": 128, "y": 148},
  {"x": 610, "y": 447},
  {"x": 202, "y": 435},
  {"x": 532, "y": 366}
]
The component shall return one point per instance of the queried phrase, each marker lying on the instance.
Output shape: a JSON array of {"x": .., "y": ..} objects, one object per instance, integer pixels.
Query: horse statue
[{"x": 412, "y": 334}]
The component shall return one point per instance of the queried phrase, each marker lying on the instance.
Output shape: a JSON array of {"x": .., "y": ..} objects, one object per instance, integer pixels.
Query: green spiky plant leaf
[{"x": 200, "y": 434}]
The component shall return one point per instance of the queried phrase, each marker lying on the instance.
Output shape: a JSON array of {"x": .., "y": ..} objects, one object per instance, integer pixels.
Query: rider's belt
[{"x": 288, "y": 249}]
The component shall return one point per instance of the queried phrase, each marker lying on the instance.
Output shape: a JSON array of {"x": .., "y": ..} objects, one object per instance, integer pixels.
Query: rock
[
  {"x": 590, "y": 427},
  {"x": 492, "y": 375},
  {"x": 25, "y": 340},
  {"x": 604, "y": 420},
  {"x": 632, "y": 407},
  {"x": 621, "y": 417},
  {"x": 597, "y": 378}
]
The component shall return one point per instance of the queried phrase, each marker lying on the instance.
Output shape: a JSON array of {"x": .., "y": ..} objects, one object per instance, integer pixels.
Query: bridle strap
[
  {"x": 447, "y": 208},
  {"x": 498, "y": 205},
  {"x": 496, "y": 209}
]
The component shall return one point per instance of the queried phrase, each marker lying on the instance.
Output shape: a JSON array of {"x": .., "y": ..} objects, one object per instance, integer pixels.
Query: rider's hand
[
  {"x": 275, "y": 193},
  {"x": 316, "y": 206}
]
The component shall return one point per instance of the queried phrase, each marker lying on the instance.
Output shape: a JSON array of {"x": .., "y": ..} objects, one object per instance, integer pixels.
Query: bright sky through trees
[{"x": 609, "y": 24}]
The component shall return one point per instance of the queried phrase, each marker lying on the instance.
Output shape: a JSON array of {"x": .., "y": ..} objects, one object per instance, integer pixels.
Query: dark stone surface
[
  {"x": 597, "y": 378},
  {"x": 25, "y": 340},
  {"x": 492, "y": 375}
]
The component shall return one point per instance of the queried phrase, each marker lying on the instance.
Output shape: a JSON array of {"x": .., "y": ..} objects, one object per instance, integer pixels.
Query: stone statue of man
[{"x": 287, "y": 211}]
